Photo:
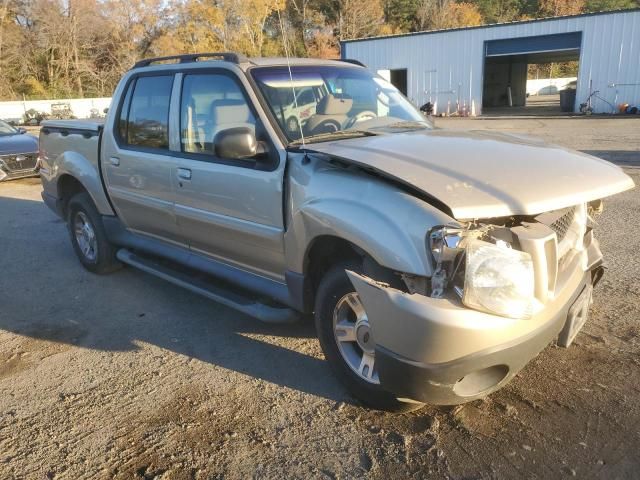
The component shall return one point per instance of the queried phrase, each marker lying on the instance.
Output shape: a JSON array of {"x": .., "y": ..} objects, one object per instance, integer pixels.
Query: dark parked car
[{"x": 18, "y": 153}]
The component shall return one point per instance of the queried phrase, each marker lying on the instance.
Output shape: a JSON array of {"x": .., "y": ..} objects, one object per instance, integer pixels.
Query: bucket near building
[{"x": 567, "y": 99}]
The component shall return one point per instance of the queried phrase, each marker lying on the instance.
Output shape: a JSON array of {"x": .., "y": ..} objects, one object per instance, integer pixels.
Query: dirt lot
[{"x": 126, "y": 376}]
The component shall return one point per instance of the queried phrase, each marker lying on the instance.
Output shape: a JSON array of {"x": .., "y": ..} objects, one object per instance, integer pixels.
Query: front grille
[
  {"x": 19, "y": 163},
  {"x": 562, "y": 224}
]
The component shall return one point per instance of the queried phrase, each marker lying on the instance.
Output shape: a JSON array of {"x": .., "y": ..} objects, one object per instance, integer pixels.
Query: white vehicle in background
[{"x": 304, "y": 107}]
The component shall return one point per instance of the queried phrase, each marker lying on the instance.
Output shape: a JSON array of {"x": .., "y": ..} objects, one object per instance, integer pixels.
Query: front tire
[
  {"x": 88, "y": 237},
  {"x": 348, "y": 342}
]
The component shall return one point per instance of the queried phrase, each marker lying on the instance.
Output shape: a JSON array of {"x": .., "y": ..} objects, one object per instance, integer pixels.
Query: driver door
[{"x": 231, "y": 210}]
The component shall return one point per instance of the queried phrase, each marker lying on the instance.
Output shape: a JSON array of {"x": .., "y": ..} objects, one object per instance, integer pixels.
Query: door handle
[
  {"x": 184, "y": 173},
  {"x": 115, "y": 161}
]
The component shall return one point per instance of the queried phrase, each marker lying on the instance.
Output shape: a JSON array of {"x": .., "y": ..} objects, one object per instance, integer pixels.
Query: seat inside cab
[{"x": 211, "y": 103}]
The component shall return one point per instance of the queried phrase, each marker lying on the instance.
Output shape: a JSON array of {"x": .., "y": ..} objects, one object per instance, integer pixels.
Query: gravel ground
[{"x": 126, "y": 376}]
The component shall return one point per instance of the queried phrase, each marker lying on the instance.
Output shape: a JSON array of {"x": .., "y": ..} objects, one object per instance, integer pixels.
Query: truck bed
[
  {"x": 93, "y": 125},
  {"x": 71, "y": 147},
  {"x": 58, "y": 137}
]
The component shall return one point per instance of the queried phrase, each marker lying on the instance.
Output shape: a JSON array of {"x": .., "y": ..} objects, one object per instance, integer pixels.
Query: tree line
[{"x": 81, "y": 48}]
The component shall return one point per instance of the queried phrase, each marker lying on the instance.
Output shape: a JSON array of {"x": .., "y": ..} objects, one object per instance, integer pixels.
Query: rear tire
[
  {"x": 88, "y": 237},
  {"x": 335, "y": 294}
]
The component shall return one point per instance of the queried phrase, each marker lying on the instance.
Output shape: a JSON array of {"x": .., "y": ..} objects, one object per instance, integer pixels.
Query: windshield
[
  {"x": 325, "y": 102},
  {"x": 6, "y": 129}
]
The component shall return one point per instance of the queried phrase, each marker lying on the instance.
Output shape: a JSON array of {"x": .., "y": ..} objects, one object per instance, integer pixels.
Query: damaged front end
[
  {"x": 511, "y": 267},
  {"x": 501, "y": 291}
]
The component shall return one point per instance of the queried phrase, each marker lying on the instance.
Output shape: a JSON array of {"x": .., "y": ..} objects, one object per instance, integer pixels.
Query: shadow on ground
[
  {"x": 624, "y": 158},
  {"x": 63, "y": 303}
]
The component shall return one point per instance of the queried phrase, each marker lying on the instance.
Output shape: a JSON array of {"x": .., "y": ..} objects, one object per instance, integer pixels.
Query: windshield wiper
[
  {"x": 405, "y": 125},
  {"x": 339, "y": 134}
]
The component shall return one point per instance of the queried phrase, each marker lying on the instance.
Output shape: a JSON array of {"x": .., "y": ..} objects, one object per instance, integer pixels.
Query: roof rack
[
  {"x": 193, "y": 57},
  {"x": 353, "y": 61}
]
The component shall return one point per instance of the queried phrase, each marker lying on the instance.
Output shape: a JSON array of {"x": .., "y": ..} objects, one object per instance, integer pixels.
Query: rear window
[{"x": 144, "y": 118}]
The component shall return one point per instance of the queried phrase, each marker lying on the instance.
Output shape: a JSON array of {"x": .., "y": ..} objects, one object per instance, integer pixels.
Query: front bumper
[
  {"x": 11, "y": 169},
  {"x": 6, "y": 174},
  {"x": 440, "y": 352},
  {"x": 467, "y": 378}
]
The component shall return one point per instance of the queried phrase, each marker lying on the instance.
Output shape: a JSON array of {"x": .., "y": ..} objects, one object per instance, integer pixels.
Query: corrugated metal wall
[{"x": 447, "y": 66}]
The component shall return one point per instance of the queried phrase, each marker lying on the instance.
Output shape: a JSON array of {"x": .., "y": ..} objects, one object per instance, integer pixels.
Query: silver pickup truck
[{"x": 436, "y": 263}]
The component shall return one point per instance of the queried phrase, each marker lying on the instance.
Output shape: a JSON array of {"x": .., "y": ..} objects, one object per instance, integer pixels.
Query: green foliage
[
  {"x": 602, "y": 5},
  {"x": 499, "y": 11},
  {"x": 31, "y": 88},
  {"x": 401, "y": 14}
]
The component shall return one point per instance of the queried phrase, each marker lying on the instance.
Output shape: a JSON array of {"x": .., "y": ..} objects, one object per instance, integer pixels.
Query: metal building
[{"x": 465, "y": 69}]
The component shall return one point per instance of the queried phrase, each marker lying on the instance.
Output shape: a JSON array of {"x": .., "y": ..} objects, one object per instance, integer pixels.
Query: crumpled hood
[
  {"x": 14, "y": 144},
  {"x": 480, "y": 174}
]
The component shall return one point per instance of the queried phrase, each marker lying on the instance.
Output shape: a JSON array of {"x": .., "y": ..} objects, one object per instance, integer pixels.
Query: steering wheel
[
  {"x": 325, "y": 126},
  {"x": 360, "y": 117}
]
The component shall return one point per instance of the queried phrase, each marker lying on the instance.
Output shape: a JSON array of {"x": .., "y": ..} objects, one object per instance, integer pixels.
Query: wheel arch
[
  {"x": 68, "y": 186},
  {"x": 75, "y": 171},
  {"x": 326, "y": 251}
]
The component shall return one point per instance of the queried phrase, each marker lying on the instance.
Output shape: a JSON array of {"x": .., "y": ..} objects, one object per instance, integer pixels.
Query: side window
[
  {"x": 147, "y": 119},
  {"x": 211, "y": 103},
  {"x": 124, "y": 112}
]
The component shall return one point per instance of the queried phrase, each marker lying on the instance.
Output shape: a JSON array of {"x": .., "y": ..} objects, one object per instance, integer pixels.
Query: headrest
[
  {"x": 331, "y": 105},
  {"x": 230, "y": 111}
]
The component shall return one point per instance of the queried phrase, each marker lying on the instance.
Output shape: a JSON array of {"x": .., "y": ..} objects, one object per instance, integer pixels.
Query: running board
[{"x": 217, "y": 293}]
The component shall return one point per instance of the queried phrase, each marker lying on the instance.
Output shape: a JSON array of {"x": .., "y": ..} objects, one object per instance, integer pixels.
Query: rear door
[
  {"x": 136, "y": 160},
  {"x": 231, "y": 210}
]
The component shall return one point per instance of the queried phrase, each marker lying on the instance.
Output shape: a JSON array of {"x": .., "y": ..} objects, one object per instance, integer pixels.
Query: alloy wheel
[
  {"x": 353, "y": 336},
  {"x": 85, "y": 236}
]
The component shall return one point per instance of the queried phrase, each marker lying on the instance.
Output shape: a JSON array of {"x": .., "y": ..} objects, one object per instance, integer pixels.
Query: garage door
[{"x": 562, "y": 42}]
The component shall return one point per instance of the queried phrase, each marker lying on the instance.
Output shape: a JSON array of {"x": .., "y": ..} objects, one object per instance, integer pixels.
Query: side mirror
[
  {"x": 236, "y": 143},
  {"x": 106, "y": 110},
  {"x": 22, "y": 131}
]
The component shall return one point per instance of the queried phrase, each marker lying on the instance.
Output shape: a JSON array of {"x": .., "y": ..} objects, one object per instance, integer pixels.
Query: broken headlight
[
  {"x": 489, "y": 276},
  {"x": 447, "y": 253},
  {"x": 498, "y": 280}
]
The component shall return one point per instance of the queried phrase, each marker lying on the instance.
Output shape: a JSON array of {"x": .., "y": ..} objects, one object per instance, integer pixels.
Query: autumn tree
[
  {"x": 199, "y": 25},
  {"x": 463, "y": 14},
  {"x": 69, "y": 48},
  {"x": 438, "y": 14},
  {"x": 400, "y": 15},
  {"x": 11, "y": 36},
  {"x": 555, "y": 8},
  {"x": 252, "y": 16},
  {"x": 359, "y": 18},
  {"x": 323, "y": 44},
  {"x": 500, "y": 11},
  {"x": 602, "y": 5}
]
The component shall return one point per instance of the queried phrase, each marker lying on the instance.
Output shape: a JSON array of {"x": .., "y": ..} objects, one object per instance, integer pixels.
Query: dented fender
[{"x": 331, "y": 200}]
